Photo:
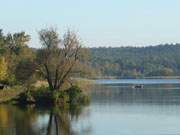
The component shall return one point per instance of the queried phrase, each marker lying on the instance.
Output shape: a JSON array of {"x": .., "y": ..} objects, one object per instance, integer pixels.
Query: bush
[
  {"x": 42, "y": 94},
  {"x": 25, "y": 70},
  {"x": 12, "y": 80},
  {"x": 74, "y": 93},
  {"x": 60, "y": 97},
  {"x": 41, "y": 91}
]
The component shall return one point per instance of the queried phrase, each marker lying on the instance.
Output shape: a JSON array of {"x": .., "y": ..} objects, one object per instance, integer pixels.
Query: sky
[{"x": 97, "y": 22}]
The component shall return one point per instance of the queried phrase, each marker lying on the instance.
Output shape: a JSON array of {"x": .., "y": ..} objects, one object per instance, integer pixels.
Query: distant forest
[{"x": 133, "y": 62}]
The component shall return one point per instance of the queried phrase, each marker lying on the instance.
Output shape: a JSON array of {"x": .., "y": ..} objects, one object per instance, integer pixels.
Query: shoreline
[{"x": 147, "y": 77}]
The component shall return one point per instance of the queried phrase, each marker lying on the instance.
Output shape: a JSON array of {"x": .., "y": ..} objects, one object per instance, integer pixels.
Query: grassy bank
[
  {"x": 83, "y": 83},
  {"x": 40, "y": 90},
  {"x": 7, "y": 94}
]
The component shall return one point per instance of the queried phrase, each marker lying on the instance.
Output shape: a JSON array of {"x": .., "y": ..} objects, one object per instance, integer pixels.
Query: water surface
[
  {"x": 115, "y": 109},
  {"x": 138, "y": 81}
]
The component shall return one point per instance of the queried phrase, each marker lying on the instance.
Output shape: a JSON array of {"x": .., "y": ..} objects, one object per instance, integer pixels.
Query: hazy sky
[{"x": 97, "y": 22}]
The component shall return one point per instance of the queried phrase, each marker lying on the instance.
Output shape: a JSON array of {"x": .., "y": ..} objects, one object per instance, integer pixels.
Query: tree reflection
[
  {"x": 60, "y": 121},
  {"x": 14, "y": 121},
  {"x": 41, "y": 121}
]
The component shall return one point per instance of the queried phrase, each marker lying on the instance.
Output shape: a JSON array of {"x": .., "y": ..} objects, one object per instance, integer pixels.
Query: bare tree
[{"x": 58, "y": 56}]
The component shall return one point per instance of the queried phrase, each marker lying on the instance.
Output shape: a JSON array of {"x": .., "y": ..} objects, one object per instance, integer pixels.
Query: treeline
[
  {"x": 19, "y": 62},
  {"x": 130, "y": 62}
]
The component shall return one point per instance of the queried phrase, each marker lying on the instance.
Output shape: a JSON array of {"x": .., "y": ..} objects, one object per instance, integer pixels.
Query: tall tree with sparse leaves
[{"x": 57, "y": 57}]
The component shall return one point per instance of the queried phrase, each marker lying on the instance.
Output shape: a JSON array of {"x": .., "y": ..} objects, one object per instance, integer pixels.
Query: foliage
[
  {"x": 56, "y": 62},
  {"x": 11, "y": 80},
  {"x": 3, "y": 69},
  {"x": 13, "y": 49},
  {"x": 74, "y": 93},
  {"x": 25, "y": 69},
  {"x": 44, "y": 95},
  {"x": 60, "y": 97},
  {"x": 15, "y": 42},
  {"x": 57, "y": 57},
  {"x": 10, "y": 93},
  {"x": 130, "y": 62}
]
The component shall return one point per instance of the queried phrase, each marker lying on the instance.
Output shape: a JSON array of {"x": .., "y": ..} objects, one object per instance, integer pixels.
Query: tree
[
  {"x": 15, "y": 42},
  {"x": 3, "y": 68},
  {"x": 25, "y": 70},
  {"x": 17, "y": 50},
  {"x": 57, "y": 57},
  {"x": 2, "y": 42}
]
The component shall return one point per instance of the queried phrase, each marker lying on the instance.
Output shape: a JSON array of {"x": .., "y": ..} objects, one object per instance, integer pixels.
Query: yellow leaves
[{"x": 3, "y": 68}]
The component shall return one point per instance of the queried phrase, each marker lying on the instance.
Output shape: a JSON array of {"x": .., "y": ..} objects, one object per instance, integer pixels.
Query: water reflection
[
  {"x": 16, "y": 121},
  {"x": 41, "y": 121},
  {"x": 60, "y": 121}
]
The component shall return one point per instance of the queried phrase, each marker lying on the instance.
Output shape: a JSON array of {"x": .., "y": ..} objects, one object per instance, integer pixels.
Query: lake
[{"x": 115, "y": 109}]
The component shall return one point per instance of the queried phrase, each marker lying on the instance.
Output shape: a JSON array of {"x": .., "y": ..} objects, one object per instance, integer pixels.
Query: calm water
[
  {"x": 115, "y": 109},
  {"x": 139, "y": 81}
]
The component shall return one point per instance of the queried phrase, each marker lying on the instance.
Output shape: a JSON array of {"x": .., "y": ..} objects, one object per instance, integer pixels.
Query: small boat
[{"x": 137, "y": 86}]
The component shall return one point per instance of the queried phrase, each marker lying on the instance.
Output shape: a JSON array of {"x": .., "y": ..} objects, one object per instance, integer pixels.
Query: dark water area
[{"x": 115, "y": 109}]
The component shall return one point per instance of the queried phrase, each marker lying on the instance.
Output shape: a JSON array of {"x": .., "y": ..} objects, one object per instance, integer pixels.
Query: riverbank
[
  {"x": 10, "y": 93},
  {"x": 75, "y": 92}
]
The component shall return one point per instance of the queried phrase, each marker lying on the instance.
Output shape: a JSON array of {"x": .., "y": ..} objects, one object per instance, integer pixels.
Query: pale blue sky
[{"x": 97, "y": 22}]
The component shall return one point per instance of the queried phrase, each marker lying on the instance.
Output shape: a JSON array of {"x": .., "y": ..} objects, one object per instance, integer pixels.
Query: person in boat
[{"x": 138, "y": 86}]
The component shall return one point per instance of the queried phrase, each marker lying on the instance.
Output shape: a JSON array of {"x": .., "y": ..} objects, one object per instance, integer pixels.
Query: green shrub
[
  {"x": 74, "y": 93},
  {"x": 55, "y": 96},
  {"x": 27, "y": 97},
  {"x": 34, "y": 96},
  {"x": 60, "y": 97},
  {"x": 10, "y": 81}
]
